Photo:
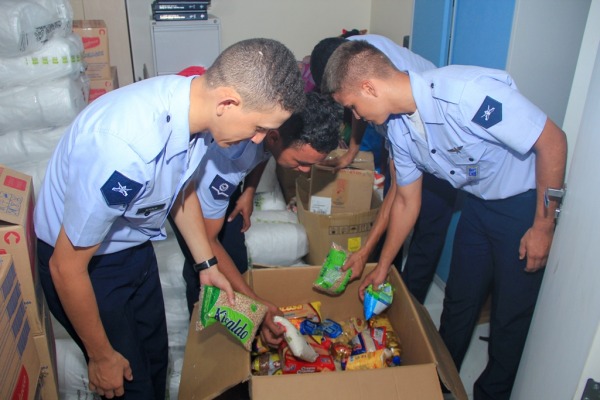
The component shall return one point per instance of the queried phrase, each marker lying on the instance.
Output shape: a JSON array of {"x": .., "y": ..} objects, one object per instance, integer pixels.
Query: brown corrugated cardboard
[
  {"x": 94, "y": 35},
  {"x": 348, "y": 230},
  {"x": 17, "y": 238},
  {"x": 342, "y": 191},
  {"x": 19, "y": 362},
  {"x": 46, "y": 349},
  {"x": 98, "y": 87},
  {"x": 214, "y": 361}
]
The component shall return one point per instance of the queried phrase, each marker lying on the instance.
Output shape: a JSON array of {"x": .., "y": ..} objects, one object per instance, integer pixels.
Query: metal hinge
[{"x": 557, "y": 194}]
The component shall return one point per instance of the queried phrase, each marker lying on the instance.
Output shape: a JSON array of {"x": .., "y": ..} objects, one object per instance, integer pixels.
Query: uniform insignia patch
[
  {"x": 221, "y": 189},
  {"x": 119, "y": 190},
  {"x": 489, "y": 114}
]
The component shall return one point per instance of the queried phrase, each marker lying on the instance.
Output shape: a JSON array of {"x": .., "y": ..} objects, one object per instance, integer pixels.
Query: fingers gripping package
[
  {"x": 331, "y": 278},
  {"x": 377, "y": 300},
  {"x": 242, "y": 320}
]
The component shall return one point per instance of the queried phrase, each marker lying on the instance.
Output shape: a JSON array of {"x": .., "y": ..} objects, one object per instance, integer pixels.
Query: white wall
[
  {"x": 583, "y": 73},
  {"x": 392, "y": 18},
  {"x": 299, "y": 24}
]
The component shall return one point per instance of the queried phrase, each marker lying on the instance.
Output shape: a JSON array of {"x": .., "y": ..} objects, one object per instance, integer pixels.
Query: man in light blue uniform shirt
[
  {"x": 303, "y": 140},
  {"x": 438, "y": 196},
  {"x": 471, "y": 127},
  {"x": 109, "y": 185}
]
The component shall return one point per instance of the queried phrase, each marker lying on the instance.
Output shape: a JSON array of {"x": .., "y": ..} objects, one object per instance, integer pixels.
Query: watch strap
[{"x": 201, "y": 266}]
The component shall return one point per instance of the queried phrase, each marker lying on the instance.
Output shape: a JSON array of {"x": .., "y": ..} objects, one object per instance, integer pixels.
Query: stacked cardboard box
[
  {"x": 337, "y": 207},
  {"x": 19, "y": 361},
  {"x": 17, "y": 239},
  {"x": 103, "y": 77},
  {"x": 215, "y": 361}
]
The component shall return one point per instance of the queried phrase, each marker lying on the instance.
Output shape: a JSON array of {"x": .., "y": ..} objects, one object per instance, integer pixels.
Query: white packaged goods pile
[{"x": 41, "y": 69}]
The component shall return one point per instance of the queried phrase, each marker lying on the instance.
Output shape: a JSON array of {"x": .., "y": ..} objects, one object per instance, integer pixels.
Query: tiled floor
[{"x": 476, "y": 357}]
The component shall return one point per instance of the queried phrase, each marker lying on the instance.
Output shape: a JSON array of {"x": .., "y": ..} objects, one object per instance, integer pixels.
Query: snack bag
[
  {"x": 292, "y": 365},
  {"x": 392, "y": 341},
  {"x": 372, "y": 360},
  {"x": 241, "y": 320},
  {"x": 377, "y": 300},
  {"x": 299, "y": 312},
  {"x": 331, "y": 278},
  {"x": 298, "y": 345},
  {"x": 266, "y": 364}
]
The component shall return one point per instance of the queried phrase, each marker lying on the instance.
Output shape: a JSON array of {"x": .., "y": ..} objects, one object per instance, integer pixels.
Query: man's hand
[
  {"x": 535, "y": 245},
  {"x": 271, "y": 334},
  {"x": 375, "y": 278},
  {"x": 106, "y": 374},
  {"x": 356, "y": 262},
  {"x": 340, "y": 162},
  {"x": 213, "y": 277},
  {"x": 244, "y": 206}
]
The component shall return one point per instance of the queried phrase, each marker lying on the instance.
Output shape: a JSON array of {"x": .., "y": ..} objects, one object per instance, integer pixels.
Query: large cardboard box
[
  {"x": 215, "y": 361},
  {"x": 46, "y": 349},
  {"x": 98, "y": 87},
  {"x": 19, "y": 361},
  {"x": 349, "y": 230},
  {"x": 94, "y": 35},
  {"x": 17, "y": 237},
  {"x": 342, "y": 191}
]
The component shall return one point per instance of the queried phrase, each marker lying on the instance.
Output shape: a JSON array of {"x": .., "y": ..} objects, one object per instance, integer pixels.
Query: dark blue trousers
[
  {"x": 438, "y": 200},
  {"x": 485, "y": 258},
  {"x": 130, "y": 301},
  {"x": 234, "y": 242}
]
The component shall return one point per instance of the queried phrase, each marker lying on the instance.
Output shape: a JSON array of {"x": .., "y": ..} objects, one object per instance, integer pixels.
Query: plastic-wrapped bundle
[
  {"x": 51, "y": 104},
  {"x": 59, "y": 57},
  {"x": 19, "y": 146},
  {"x": 27, "y": 24},
  {"x": 276, "y": 238}
]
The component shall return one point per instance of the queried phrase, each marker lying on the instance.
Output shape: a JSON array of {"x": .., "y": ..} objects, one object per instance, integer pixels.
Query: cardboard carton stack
[
  {"x": 103, "y": 77},
  {"x": 18, "y": 246},
  {"x": 337, "y": 207}
]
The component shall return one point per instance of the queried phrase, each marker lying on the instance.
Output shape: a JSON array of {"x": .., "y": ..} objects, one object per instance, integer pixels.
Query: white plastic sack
[
  {"x": 72, "y": 372},
  {"x": 276, "y": 239},
  {"x": 20, "y": 146},
  {"x": 51, "y": 104},
  {"x": 268, "y": 180},
  {"x": 25, "y": 25},
  {"x": 273, "y": 200},
  {"x": 59, "y": 57}
]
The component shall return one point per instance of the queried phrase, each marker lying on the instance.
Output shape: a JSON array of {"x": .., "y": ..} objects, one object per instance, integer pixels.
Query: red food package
[{"x": 293, "y": 365}]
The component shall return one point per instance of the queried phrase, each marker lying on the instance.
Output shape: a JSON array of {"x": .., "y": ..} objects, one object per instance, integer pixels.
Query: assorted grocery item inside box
[{"x": 215, "y": 360}]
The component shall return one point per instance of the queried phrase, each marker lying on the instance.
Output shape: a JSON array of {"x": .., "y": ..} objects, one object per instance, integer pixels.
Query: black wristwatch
[{"x": 201, "y": 266}]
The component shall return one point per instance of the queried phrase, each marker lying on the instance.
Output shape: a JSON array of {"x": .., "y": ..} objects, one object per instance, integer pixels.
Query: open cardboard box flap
[{"x": 215, "y": 361}]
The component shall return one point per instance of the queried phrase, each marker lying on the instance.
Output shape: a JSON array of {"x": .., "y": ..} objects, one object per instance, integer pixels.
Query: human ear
[
  {"x": 369, "y": 88},
  {"x": 228, "y": 99}
]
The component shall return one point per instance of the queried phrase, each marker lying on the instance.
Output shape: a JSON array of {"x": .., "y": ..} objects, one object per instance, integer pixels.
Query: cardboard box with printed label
[
  {"x": 19, "y": 361},
  {"x": 98, "y": 87},
  {"x": 215, "y": 361},
  {"x": 343, "y": 191},
  {"x": 94, "y": 35},
  {"x": 17, "y": 237},
  {"x": 349, "y": 230}
]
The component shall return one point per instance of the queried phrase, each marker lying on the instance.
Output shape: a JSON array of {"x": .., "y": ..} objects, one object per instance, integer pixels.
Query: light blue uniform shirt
[
  {"x": 221, "y": 171},
  {"x": 480, "y": 132},
  {"x": 115, "y": 173}
]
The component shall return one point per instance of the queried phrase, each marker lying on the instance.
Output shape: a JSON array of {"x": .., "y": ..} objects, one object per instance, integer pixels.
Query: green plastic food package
[
  {"x": 331, "y": 278},
  {"x": 242, "y": 320}
]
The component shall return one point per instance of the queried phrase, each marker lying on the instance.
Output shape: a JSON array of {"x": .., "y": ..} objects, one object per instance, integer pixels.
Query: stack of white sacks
[{"x": 42, "y": 89}]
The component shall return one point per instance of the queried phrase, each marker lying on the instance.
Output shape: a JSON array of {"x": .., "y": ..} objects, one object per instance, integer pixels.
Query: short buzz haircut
[
  {"x": 351, "y": 62},
  {"x": 318, "y": 124},
  {"x": 264, "y": 73}
]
